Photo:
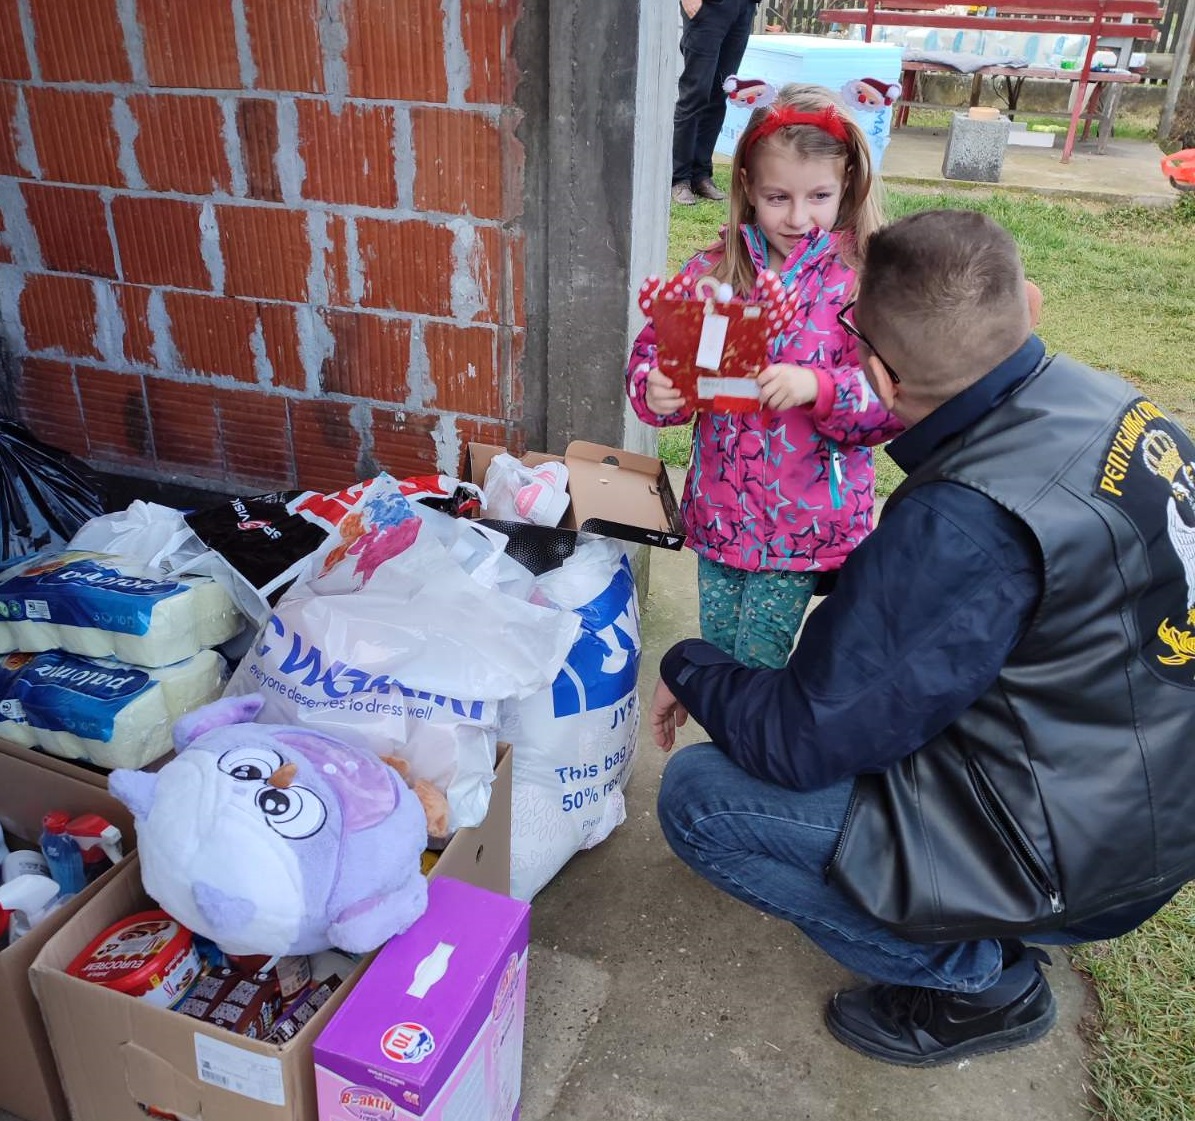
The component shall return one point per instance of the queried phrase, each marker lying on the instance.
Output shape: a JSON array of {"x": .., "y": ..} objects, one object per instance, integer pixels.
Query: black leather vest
[{"x": 1068, "y": 789}]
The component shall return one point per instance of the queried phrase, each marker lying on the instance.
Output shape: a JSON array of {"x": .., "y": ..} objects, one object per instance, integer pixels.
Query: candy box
[{"x": 434, "y": 1029}]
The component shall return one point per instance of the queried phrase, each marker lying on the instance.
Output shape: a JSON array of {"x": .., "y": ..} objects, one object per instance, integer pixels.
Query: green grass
[
  {"x": 1119, "y": 288},
  {"x": 1142, "y": 1061}
]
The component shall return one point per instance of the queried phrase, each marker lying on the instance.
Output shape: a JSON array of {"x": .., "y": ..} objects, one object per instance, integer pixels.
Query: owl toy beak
[{"x": 283, "y": 776}]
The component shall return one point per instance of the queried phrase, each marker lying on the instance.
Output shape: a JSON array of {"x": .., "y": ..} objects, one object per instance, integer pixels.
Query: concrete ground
[{"x": 1128, "y": 172}]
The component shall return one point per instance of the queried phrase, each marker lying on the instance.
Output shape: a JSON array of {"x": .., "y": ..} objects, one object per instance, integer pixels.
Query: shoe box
[{"x": 613, "y": 492}]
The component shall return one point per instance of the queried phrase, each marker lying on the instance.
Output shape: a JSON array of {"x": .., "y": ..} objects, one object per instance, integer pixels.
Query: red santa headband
[{"x": 828, "y": 119}]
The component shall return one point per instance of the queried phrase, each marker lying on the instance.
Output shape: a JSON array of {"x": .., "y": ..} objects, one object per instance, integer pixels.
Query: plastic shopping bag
[
  {"x": 392, "y": 644},
  {"x": 45, "y": 494},
  {"x": 253, "y": 547},
  {"x": 575, "y": 740}
]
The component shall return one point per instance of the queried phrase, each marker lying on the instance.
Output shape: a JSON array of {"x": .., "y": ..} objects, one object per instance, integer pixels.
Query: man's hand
[
  {"x": 667, "y": 714},
  {"x": 691, "y": 7},
  {"x": 662, "y": 397},
  {"x": 783, "y": 386}
]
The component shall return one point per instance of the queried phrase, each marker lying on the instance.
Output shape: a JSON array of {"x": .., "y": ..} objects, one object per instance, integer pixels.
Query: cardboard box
[
  {"x": 70, "y": 768},
  {"x": 117, "y": 1054},
  {"x": 613, "y": 492},
  {"x": 434, "y": 1029},
  {"x": 29, "y": 1084}
]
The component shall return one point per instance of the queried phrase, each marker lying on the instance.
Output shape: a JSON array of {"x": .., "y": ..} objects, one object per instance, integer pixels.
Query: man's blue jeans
[{"x": 770, "y": 847}]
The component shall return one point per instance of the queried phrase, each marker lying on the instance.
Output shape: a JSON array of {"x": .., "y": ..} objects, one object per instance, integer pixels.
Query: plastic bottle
[
  {"x": 61, "y": 853},
  {"x": 29, "y": 899},
  {"x": 99, "y": 844},
  {"x": 23, "y": 862}
]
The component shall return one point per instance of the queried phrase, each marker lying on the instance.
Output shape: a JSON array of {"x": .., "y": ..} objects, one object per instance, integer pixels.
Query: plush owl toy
[{"x": 277, "y": 840}]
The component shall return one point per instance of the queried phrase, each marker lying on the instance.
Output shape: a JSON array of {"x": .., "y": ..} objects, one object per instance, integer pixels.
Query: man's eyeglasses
[{"x": 848, "y": 325}]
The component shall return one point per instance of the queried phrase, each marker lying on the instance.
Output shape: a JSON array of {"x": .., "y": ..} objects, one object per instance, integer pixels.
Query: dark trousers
[{"x": 712, "y": 44}]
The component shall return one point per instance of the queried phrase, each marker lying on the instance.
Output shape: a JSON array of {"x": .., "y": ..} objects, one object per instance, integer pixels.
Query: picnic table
[{"x": 1125, "y": 20}]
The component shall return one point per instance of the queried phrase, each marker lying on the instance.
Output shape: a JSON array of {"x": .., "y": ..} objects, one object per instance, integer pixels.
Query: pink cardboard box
[{"x": 434, "y": 1028}]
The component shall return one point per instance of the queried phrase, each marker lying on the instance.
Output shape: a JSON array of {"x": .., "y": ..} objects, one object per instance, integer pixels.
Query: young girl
[{"x": 774, "y": 498}]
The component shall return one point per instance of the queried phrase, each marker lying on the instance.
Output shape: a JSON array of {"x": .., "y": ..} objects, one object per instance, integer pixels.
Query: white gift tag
[
  {"x": 713, "y": 341},
  {"x": 747, "y": 389}
]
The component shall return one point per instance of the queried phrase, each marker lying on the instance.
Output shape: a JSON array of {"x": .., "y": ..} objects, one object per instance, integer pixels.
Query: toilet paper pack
[
  {"x": 100, "y": 710},
  {"x": 100, "y": 605}
]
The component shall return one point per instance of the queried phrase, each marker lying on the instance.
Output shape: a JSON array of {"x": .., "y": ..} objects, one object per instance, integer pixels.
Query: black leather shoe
[
  {"x": 924, "y": 1027},
  {"x": 708, "y": 189},
  {"x": 683, "y": 193}
]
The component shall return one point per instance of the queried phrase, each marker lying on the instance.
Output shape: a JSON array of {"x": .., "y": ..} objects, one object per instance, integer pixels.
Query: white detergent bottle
[
  {"x": 23, "y": 862},
  {"x": 29, "y": 899}
]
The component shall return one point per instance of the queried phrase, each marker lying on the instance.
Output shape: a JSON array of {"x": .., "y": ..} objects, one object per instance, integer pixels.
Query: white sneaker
[{"x": 544, "y": 500}]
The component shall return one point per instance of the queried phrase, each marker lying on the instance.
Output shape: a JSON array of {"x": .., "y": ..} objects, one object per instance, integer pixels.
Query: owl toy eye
[
  {"x": 293, "y": 812},
  {"x": 249, "y": 764}
]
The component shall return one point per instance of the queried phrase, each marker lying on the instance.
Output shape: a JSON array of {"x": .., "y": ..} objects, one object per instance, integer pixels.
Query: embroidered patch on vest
[{"x": 1148, "y": 473}]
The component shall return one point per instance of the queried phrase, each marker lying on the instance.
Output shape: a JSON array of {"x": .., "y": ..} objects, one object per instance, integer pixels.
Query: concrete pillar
[{"x": 598, "y": 88}]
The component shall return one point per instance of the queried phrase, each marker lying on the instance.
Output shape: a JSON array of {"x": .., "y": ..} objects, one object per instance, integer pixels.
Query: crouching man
[{"x": 986, "y": 734}]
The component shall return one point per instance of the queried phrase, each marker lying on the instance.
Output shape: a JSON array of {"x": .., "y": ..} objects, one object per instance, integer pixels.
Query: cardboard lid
[
  {"x": 622, "y": 494},
  {"x": 421, "y": 1002}
]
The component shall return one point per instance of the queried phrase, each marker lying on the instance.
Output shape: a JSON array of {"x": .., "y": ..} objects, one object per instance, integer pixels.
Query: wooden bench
[{"x": 1122, "y": 19}]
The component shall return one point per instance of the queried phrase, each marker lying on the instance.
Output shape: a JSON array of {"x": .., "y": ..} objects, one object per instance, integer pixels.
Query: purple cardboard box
[{"x": 434, "y": 1028}]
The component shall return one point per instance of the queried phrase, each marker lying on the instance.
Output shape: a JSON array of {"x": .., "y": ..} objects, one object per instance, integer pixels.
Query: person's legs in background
[
  {"x": 701, "y": 46},
  {"x": 769, "y": 847},
  {"x": 773, "y": 605},
  {"x": 709, "y": 124}
]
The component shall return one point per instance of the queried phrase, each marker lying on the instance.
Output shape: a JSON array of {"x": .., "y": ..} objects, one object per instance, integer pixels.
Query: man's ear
[
  {"x": 877, "y": 375},
  {"x": 1034, "y": 298}
]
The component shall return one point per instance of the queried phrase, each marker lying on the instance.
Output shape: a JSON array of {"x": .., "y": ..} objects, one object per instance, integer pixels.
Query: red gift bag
[{"x": 712, "y": 351}]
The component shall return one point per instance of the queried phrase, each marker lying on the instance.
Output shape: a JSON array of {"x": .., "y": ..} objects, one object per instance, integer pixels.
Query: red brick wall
[{"x": 262, "y": 243}]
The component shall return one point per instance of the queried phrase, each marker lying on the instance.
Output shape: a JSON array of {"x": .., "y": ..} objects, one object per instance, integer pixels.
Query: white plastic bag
[
  {"x": 260, "y": 529},
  {"x": 515, "y": 492},
  {"x": 575, "y": 740},
  {"x": 391, "y": 644}
]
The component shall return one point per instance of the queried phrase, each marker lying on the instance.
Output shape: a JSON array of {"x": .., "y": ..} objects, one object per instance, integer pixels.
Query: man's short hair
[{"x": 943, "y": 294}]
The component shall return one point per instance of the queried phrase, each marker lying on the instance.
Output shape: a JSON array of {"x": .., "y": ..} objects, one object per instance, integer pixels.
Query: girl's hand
[
  {"x": 782, "y": 386},
  {"x": 662, "y": 397}
]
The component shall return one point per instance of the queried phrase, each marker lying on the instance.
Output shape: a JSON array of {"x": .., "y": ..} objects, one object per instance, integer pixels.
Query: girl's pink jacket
[{"x": 790, "y": 490}]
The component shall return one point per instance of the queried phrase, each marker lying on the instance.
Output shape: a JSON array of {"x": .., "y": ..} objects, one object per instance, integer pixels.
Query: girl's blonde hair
[{"x": 860, "y": 212}]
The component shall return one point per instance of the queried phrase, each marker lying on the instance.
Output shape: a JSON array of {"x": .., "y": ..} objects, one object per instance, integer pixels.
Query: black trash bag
[{"x": 45, "y": 494}]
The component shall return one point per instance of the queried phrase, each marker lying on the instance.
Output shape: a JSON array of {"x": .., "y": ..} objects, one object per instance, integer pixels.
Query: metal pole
[{"x": 1182, "y": 55}]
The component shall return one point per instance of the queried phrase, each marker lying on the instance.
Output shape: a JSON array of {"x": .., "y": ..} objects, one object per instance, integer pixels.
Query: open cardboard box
[
  {"x": 29, "y": 1084},
  {"x": 614, "y": 493},
  {"x": 69, "y": 768},
  {"x": 117, "y": 1054}
]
